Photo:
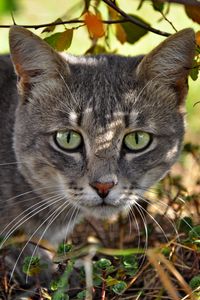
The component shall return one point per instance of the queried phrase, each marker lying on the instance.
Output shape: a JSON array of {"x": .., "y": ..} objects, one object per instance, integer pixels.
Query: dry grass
[{"x": 161, "y": 244}]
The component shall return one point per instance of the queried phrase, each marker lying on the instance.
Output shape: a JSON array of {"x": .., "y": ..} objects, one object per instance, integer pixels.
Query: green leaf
[
  {"x": 194, "y": 72},
  {"x": 8, "y": 6},
  {"x": 195, "y": 282},
  {"x": 81, "y": 295},
  {"x": 134, "y": 32},
  {"x": 64, "y": 248},
  {"x": 60, "y": 40},
  {"x": 54, "y": 285},
  {"x": 32, "y": 265},
  {"x": 60, "y": 296},
  {"x": 130, "y": 264},
  {"x": 166, "y": 251},
  {"x": 103, "y": 263},
  {"x": 119, "y": 287},
  {"x": 194, "y": 234},
  {"x": 158, "y": 5},
  {"x": 121, "y": 252},
  {"x": 185, "y": 224}
]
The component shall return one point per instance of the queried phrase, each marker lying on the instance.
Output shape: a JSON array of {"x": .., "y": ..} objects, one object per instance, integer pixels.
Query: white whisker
[
  {"x": 32, "y": 235},
  {"x": 30, "y": 215}
]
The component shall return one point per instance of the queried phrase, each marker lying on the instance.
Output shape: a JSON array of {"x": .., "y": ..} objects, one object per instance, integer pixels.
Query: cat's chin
[{"x": 104, "y": 211}]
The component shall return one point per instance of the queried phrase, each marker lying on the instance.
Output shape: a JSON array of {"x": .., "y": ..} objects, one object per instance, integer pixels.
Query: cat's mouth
[{"x": 103, "y": 210}]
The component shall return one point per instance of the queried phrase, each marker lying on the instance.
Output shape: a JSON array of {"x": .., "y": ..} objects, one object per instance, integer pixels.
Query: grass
[
  {"x": 37, "y": 12},
  {"x": 153, "y": 253}
]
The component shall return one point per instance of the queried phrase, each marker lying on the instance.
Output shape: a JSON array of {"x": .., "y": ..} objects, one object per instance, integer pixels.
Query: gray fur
[{"x": 102, "y": 97}]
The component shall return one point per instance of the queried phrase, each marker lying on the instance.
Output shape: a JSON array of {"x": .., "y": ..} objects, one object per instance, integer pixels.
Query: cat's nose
[{"x": 102, "y": 188}]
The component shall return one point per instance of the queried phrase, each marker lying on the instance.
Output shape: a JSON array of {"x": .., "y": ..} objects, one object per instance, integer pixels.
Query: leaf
[
  {"x": 140, "y": 4},
  {"x": 7, "y": 6},
  {"x": 195, "y": 282},
  {"x": 198, "y": 38},
  {"x": 194, "y": 234},
  {"x": 94, "y": 25},
  {"x": 87, "y": 5},
  {"x": 110, "y": 281},
  {"x": 60, "y": 40},
  {"x": 119, "y": 287},
  {"x": 96, "y": 49},
  {"x": 120, "y": 34},
  {"x": 82, "y": 295},
  {"x": 185, "y": 224},
  {"x": 194, "y": 70},
  {"x": 134, "y": 32},
  {"x": 32, "y": 265},
  {"x": 113, "y": 14},
  {"x": 103, "y": 263},
  {"x": 193, "y": 12},
  {"x": 52, "y": 27},
  {"x": 158, "y": 5}
]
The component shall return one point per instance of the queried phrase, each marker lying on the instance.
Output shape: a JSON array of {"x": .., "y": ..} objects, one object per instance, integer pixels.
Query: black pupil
[
  {"x": 137, "y": 138},
  {"x": 68, "y": 137}
]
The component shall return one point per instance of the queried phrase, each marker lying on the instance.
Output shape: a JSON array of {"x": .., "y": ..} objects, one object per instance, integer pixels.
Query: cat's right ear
[
  {"x": 170, "y": 62},
  {"x": 34, "y": 60}
]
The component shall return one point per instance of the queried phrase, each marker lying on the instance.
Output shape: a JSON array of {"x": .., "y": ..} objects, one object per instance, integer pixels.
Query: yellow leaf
[
  {"x": 64, "y": 40},
  {"x": 121, "y": 34},
  {"x": 193, "y": 12},
  {"x": 94, "y": 25},
  {"x": 113, "y": 13},
  {"x": 198, "y": 38}
]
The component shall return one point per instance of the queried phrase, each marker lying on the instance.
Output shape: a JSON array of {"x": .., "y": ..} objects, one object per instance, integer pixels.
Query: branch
[
  {"x": 184, "y": 2},
  {"x": 126, "y": 18},
  {"x": 133, "y": 20},
  {"x": 74, "y": 21},
  {"x": 45, "y": 24}
]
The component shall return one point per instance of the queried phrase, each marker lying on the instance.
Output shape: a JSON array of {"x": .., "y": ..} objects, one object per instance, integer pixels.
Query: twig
[
  {"x": 127, "y": 18},
  {"x": 167, "y": 20},
  {"x": 184, "y": 2},
  {"x": 74, "y": 21},
  {"x": 135, "y": 21}
]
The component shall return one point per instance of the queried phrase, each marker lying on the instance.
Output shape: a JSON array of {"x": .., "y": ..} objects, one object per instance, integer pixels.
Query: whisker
[
  {"x": 140, "y": 206},
  {"x": 25, "y": 219},
  {"x": 37, "y": 196},
  {"x": 164, "y": 214},
  {"x": 146, "y": 234},
  {"x": 29, "y": 208},
  {"x": 29, "y": 192},
  {"x": 49, "y": 224},
  {"x": 71, "y": 94},
  {"x": 32, "y": 235}
]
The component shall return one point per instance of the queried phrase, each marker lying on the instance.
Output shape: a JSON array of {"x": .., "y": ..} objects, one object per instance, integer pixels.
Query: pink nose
[{"x": 102, "y": 188}]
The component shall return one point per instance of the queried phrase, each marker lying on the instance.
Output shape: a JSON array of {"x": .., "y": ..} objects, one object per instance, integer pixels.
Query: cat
[{"x": 85, "y": 135}]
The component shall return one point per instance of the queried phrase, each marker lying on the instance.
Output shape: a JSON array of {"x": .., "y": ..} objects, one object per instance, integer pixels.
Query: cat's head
[{"x": 99, "y": 130}]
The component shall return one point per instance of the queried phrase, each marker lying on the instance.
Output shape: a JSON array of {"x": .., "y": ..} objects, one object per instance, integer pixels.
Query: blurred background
[{"x": 34, "y": 12}]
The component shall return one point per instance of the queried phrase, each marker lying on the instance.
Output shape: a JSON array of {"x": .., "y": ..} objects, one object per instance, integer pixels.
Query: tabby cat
[{"x": 85, "y": 135}]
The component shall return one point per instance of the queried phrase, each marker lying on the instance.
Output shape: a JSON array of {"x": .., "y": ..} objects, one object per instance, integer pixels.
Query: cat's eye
[
  {"x": 68, "y": 140},
  {"x": 137, "y": 141}
]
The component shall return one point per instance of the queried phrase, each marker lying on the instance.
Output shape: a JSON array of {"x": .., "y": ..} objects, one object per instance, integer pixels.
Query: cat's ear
[
  {"x": 34, "y": 60},
  {"x": 170, "y": 62}
]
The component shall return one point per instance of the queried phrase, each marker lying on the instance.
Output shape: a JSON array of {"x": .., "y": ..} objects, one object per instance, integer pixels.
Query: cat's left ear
[
  {"x": 170, "y": 62},
  {"x": 34, "y": 60}
]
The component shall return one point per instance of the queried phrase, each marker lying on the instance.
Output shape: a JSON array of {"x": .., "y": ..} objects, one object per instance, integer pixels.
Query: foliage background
[{"x": 39, "y": 12}]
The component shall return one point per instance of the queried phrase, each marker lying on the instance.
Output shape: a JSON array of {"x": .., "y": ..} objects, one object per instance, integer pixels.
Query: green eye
[
  {"x": 138, "y": 140},
  {"x": 68, "y": 140}
]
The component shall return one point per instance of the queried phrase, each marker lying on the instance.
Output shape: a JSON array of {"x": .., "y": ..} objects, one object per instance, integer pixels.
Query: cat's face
[{"x": 99, "y": 130}]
